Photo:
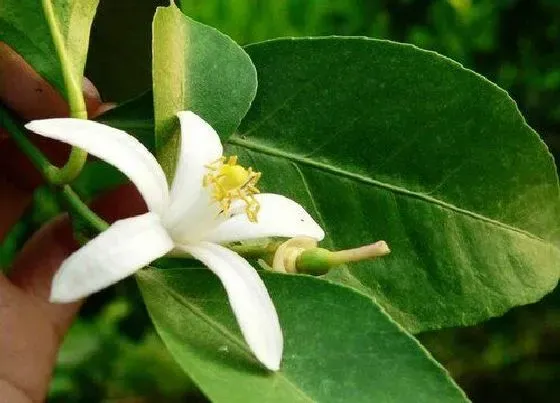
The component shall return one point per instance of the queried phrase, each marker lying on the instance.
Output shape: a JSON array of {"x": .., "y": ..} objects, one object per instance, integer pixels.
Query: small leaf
[
  {"x": 195, "y": 67},
  {"x": 339, "y": 345},
  {"x": 25, "y": 26}
]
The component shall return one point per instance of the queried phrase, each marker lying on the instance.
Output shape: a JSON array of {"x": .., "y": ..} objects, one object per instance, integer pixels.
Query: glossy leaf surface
[
  {"x": 339, "y": 345},
  {"x": 196, "y": 67},
  {"x": 386, "y": 141}
]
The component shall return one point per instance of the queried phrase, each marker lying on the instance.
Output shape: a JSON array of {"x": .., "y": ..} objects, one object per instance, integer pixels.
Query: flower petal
[
  {"x": 278, "y": 216},
  {"x": 248, "y": 298},
  {"x": 116, "y": 147},
  {"x": 200, "y": 146},
  {"x": 116, "y": 253}
]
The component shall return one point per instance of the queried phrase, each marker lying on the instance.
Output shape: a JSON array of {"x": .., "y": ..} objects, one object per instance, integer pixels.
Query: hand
[{"x": 31, "y": 328}]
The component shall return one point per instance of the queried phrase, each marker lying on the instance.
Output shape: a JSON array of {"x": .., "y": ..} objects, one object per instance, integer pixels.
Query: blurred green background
[{"x": 112, "y": 353}]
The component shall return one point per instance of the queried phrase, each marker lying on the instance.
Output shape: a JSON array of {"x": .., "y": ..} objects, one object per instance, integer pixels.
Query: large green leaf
[
  {"x": 386, "y": 141},
  {"x": 383, "y": 140},
  {"x": 32, "y": 28},
  {"x": 339, "y": 345},
  {"x": 196, "y": 67}
]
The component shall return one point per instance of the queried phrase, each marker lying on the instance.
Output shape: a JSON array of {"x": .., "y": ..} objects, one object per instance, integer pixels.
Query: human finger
[
  {"x": 31, "y": 97},
  {"x": 27, "y": 94}
]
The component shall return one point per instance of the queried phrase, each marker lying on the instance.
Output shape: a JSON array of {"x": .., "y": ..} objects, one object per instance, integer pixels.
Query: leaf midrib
[
  {"x": 223, "y": 331},
  {"x": 264, "y": 149}
]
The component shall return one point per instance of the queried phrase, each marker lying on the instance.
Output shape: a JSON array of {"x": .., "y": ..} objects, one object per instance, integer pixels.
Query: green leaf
[
  {"x": 195, "y": 67},
  {"x": 52, "y": 36},
  {"x": 339, "y": 345},
  {"x": 386, "y": 141}
]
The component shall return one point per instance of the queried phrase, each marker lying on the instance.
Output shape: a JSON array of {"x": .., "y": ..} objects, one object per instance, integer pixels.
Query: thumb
[{"x": 32, "y": 328}]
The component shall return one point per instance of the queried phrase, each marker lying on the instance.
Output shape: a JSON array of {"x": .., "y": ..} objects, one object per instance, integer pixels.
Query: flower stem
[
  {"x": 17, "y": 134},
  {"x": 256, "y": 251},
  {"x": 81, "y": 210},
  {"x": 261, "y": 251},
  {"x": 74, "y": 93},
  {"x": 50, "y": 172},
  {"x": 73, "y": 88},
  {"x": 70, "y": 170}
]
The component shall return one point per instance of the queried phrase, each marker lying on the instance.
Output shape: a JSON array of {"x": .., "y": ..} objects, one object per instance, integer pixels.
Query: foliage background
[{"x": 112, "y": 353}]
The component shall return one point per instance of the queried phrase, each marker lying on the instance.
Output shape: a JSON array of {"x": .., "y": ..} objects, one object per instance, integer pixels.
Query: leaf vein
[
  {"x": 261, "y": 148},
  {"x": 312, "y": 199}
]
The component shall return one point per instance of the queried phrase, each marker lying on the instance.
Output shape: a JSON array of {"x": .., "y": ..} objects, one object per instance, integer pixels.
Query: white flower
[{"x": 211, "y": 201}]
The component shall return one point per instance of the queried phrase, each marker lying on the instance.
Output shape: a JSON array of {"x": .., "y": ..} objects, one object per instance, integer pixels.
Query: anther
[{"x": 231, "y": 181}]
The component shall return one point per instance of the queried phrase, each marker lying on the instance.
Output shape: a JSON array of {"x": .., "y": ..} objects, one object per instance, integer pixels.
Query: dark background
[{"x": 112, "y": 353}]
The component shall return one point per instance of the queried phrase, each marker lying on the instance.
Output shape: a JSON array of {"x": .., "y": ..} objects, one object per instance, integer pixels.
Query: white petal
[
  {"x": 200, "y": 146},
  {"x": 248, "y": 298},
  {"x": 202, "y": 217},
  {"x": 116, "y": 147},
  {"x": 278, "y": 216},
  {"x": 116, "y": 253}
]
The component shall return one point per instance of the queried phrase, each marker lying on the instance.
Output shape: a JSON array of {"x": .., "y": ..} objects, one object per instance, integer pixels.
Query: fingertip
[
  {"x": 24, "y": 91},
  {"x": 41, "y": 256},
  {"x": 90, "y": 91},
  {"x": 92, "y": 98},
  {"x": 104, "y": 107}
]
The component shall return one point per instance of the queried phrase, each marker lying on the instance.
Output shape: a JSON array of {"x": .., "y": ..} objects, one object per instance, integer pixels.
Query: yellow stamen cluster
[{"x": 230, "y": 181}]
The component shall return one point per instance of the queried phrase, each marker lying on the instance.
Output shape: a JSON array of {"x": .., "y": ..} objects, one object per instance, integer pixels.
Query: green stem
[
  {"x": 247, "y": 251},
  {"x": 51, "y": 173},
  {"x": 73, "y": 88},
  {"x": 19, "y": 136},
  {"x": 76, "y": 206},
  {"x": 256, "y": 251},
  {"x": 79, "y": 208},
  {"x": 70, "y": 170},
  {"x": 74, "y": 93}
]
